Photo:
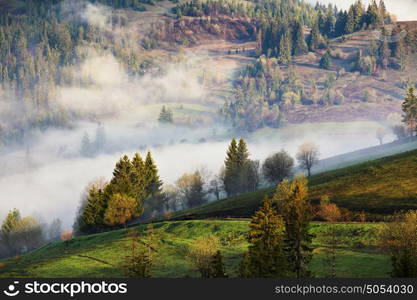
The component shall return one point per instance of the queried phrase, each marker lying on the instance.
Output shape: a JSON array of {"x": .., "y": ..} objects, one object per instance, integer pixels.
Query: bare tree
[{"x": 308, "y": 156}]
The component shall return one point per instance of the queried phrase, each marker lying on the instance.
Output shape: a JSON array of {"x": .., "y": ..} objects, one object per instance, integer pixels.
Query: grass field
[
  {"x": 380, "y": 187},
  {"x": 101, "y": 255}
]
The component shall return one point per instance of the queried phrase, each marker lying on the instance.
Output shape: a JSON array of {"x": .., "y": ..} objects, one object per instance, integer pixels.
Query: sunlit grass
[{"x": 101, "y": 255}]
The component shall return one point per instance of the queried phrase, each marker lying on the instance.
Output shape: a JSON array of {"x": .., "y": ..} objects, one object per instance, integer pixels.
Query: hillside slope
[
  {"x": 378, "y": 187},
  {"x": 101, "y": 255}
]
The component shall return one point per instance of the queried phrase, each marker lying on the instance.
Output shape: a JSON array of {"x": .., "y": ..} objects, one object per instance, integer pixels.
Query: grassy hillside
[
  {"x": 101, "y": 255},
  {"x": 378, "y": 187}
]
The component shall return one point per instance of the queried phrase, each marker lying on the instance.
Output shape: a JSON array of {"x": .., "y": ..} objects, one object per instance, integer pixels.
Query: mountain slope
[
  {"x": 378, "y": 187},
  {"x": 101, "y": 255}
]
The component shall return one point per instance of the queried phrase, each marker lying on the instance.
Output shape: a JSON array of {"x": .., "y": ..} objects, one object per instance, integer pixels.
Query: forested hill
[
  {"x": 42, "y": 40},
  {"x": 376, "y": 188}
]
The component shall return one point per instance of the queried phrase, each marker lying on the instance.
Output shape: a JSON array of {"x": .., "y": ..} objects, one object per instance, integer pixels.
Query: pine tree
[
  {"x": 314, "y": 38},
  {"x": 265, "y": 257},
  {"x": 153, "y": 187},
  {"x": 8, "y": 229},
  {"x": 231, "y": 169},
  {"x": 358, "y": 13},
  {"x": 383, "y": 53},
  {"x": 166, "y": 115},
  {"x": 325, "y": 61},
  {"x": 293, "y": 203},
  {"x": 217, "y": 266},
  {"x": 383, "y": 13},
  {"x": 299, "y": 45},
  {"x": 121, "y": 182},
  {"x": 153, "y": 182},
  {"x": 92, "y": 218},
  {"x": 400, "y": 52},
  {"x": 409, "y": 108},
  {"x": 86, "y": 149},
  {"x": 138, "y": 179},
  {"x": 100, "y": 141},
  {"x": 329, "y": 24},
  {"x": 138, "y": 264},
  {"x": 340, "y": 25},
  {"x": 284, "y": 55},
  {"x": 350, "y": 21}
]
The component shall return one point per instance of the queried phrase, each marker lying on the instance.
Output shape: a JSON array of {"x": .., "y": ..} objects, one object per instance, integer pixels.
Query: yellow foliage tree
[{"x": 121, "y": 208}]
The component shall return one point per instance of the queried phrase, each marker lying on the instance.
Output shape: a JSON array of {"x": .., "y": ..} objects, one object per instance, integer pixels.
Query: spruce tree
[
  {"x": 8, "y": 229},
  {"x": 166, "y": 115},
  {"x": 384, "y": 53},
  {"x": 153, "y": 187},
  {"x": 138, "y": 264},
  {"x": 153, "y": 182},
  {"x": 299, "y": 45},
  {"x": 121, "y": 181},
  {"x": 138, "y": 179},
  {"x": 100, "y": 141},
  {"x": 350, "y": 21},
  {"x": 93, "y": 213},
  {"x": 340, "y": 25},
  {"x": 372, "y": 16},
  {"x": 314, "y": 38},
  {"x": 325, "y": 61},
  {"x": 86, "y": 149},
  {"x": 293, "y": 203},
  {"x": 266, "y": 256},
  {"x": 217, "y": 266},
  {"x": 409, "y": 108},
  {"x": 284, "y": 55},
  {"x": 231, "y": 169}
]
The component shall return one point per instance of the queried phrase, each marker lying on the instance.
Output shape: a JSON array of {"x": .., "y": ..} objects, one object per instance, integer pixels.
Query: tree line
[
  {"x": 20, "y": 234},
  {"x": 38, "y": 44},
  {"x": 136, "y": 190}
]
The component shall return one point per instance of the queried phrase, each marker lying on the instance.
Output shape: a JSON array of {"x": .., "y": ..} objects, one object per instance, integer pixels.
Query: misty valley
[{"x": 208, "y": 138}]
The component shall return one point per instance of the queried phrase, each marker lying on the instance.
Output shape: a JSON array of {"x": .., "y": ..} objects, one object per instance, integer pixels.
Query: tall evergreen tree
[
  {"x": 138, "y": 179},
  {"x": 92, "y": 218},
  {"x": 166, "y": 115},
  {"x": 266, "y": 256},
  {"x": 217, "y": 266},
  {"x": 153, "y": 187},
  {"x": 384, "y": 53},
  {"x": 87, "y": 149},
  {"x": 231, "y": 169},
  {"x": 325, "y": 61},
  {"x": 153, "y": 182},
  {"x": 100, "y": 140},
  {"x": 284, "y": 55},
  {"x": 8, "y": 229},
  {"x": 121, "y": 182},
  {"x": 409, "y": 107},
  {"x": 299, "y": 45},
  {"x": 293, "y": 203},
  {"x": 340, "y": 25},
  {"x": 350, "y": 21},
  {"x": 314, "y": 38}
]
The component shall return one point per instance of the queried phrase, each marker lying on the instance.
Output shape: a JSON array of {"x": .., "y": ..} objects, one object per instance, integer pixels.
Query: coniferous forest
[{"x": 208, "y": 138}]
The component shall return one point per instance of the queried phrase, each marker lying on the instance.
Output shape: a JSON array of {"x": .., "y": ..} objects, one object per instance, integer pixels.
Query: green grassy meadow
[{"x": 101, "y": 255}]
